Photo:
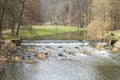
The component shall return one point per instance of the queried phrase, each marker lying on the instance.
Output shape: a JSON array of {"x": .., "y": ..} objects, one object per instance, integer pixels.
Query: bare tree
[
  {"x": 3, "y": 7},
  {"x": 20, "y": 17},
  {"x": 115, "y": 13},
  {"x": 78, "y": 12}
]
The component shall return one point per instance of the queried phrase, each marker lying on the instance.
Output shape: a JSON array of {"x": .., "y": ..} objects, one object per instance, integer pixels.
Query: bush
[{"x": 97, "y": 29}]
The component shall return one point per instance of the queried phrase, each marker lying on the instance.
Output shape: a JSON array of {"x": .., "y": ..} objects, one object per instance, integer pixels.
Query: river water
[
  {"x": 78, "y": 35},
  {"x": 95, "y": 65}
]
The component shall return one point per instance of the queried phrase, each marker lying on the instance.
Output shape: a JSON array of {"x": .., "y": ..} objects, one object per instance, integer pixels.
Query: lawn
[{"x": 45, "y": 30}]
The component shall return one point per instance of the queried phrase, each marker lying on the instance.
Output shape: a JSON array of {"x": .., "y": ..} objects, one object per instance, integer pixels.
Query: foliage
[
  {"x": 11, "y": 14},
  {"x": 32, "y": 12},
  {"x": 104, "y": 17},
  {"x": 97, "y": 29},
  {"x": 79, "y": 12}
]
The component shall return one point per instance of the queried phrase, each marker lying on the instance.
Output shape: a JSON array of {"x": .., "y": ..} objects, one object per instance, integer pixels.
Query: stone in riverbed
[
  {"x": 87, "y": 52},
  {"x": 17, "y": 58},
  {"x": 116, "y": 47},
  {"x": 115, "y": 50},
  {"x": 68, "y": 52},
  {"x": 30, "y": 61},
  {"x": 51, "y": 48},
  {"x": 48, "y": 52},
  {"x": 100, "y": 47},
  {"x": 76, "y": 47},
  {"x": 60, "y": 55},
  {"x": 41, "y": 56},
  {"x": 30, "y": 50},
  {"x": 60, "y": 47},
  {"x": 117, "y": 44},
  {"x": 65, "y": 51},
  {"x": 3, "y": 59}
]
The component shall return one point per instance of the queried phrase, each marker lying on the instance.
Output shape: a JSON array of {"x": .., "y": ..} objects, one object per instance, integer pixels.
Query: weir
[
  {"x": 54, "y": 42},
  {"x": 50, "y": 41}
]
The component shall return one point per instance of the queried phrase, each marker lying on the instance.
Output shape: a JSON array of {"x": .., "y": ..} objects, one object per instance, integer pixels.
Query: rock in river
[
  {"x": 116, "y": 47},
  {"x": 87, "y": 52},
  {"x": 100, "y": 47},
  {"x": 30, "y": 61},
  {"x": 17, "y": 58},
  {"x": 41, "y": 56}
]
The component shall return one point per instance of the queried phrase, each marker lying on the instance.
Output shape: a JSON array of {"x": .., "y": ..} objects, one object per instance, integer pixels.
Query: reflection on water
[
  {"x": 64, "y": 36},
  {"x": 97, "y": 66}
]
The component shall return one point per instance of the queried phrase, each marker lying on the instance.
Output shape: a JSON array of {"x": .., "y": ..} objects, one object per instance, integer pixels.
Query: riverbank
[
  {"x": 5, "y": 47},
  {"x": 113, "y": 35},
  {"x": 2, "y": 62}
]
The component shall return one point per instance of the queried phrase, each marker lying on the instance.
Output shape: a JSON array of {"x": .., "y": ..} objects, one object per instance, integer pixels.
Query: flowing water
[{"x": 79, "y": 61}]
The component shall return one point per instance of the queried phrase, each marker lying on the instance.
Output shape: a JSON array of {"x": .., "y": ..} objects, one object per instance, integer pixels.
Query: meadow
[{"x": 25, "y": 32}]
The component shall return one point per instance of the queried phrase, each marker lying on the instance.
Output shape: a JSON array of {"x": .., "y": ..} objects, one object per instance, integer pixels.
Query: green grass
[
  {"x": 44, "y": 30},
  {"x": 116, "y": 35}
]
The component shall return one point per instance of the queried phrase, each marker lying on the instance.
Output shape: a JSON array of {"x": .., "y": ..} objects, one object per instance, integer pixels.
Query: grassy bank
[
  {"x": 44, "y": 30},
  {"x": 115, "y": 35}
]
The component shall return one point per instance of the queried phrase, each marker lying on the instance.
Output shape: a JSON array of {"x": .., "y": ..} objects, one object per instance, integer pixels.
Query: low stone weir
[{"x": 50, "y": 41}]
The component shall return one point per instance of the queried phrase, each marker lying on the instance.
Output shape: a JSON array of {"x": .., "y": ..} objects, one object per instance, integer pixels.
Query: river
[
  {"x": 78, "y": 35},
  {"x": 97, "y": 65}
]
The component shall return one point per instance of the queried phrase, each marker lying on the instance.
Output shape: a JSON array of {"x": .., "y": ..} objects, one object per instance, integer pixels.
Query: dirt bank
[{"x": 5, "y": 47}]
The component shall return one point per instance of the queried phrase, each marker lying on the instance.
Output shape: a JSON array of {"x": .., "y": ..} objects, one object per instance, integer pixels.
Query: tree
[
  {"x": 115, "y": 13},
  {"x": 100, "y": 18},
  {"x": 12, "y": 15},
  {"x": 32, "y": 13},
  {"x": 3, "y": 7},
  {"x": 10, "y": 12},
  {"x": 104, "y": 17},
  {"x": 61, "y": 13},
  {"x": 20, "y": 17},
  {"x": 78, "y": 12}
]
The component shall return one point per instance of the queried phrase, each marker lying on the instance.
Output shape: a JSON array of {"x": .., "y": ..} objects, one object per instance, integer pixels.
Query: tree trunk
[
  {"x": 23, "y": 5},
  {"x": 1, "y": 18}
]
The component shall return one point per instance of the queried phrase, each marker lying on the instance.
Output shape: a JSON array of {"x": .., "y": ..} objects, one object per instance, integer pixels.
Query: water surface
[{"x": 99, "y": 65}]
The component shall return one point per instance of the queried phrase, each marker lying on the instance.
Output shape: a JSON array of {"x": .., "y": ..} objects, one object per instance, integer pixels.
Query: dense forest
[{"x": 101, "y": 16}]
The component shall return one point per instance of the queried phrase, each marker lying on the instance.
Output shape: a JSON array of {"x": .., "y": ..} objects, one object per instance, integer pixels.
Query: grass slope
[{"x": 115, "y": 35}]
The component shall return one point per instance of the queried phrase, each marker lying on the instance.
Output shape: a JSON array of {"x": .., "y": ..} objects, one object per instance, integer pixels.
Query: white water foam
[{"x": 77, "y": 49}]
